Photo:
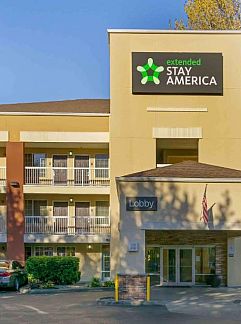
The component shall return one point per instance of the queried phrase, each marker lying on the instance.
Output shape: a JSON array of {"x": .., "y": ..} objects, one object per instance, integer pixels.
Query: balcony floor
[{"x": 65, "y": 238}]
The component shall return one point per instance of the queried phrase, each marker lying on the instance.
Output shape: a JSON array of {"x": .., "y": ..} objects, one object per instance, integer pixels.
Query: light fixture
[
  {"x": 71, "y": 200},
  {"x": 70, "y": 153},
  {"x": 15, "y": 184},
  {"x": 89, "y": 246}
]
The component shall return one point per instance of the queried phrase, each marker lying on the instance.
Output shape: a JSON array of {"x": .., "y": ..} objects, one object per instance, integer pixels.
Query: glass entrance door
[
  {"x": 185, "y": 266},
  {"x": 169, "y": 266},
  {"x": 177, "y": 266}
]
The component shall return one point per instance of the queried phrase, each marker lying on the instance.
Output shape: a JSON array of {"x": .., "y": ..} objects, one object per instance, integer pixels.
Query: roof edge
[
  {"x": 52, "y": 101},
  {"x": 70, "y": 114},
  {"x": 170, "y": 31},
  {"x": 173, "y": 179}
]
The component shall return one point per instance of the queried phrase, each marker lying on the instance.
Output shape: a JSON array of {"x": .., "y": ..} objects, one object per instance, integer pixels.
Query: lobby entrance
[
  {"x": 181, "y": 265},
  {"x": 176, "y": 266}
]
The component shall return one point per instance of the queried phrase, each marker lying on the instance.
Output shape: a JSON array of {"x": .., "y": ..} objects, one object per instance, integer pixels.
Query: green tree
[{"x": 211, "y": 14}]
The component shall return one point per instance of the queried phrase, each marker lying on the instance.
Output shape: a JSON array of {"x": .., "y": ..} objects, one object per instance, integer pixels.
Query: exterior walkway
[{"x": 221, "y": 302}]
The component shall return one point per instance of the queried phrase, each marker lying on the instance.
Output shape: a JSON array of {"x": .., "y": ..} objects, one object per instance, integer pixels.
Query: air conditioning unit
[{"x": 133, "y": 247}]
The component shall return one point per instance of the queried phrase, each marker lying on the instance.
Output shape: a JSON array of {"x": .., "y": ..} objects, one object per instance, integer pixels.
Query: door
[
  {"x": 81, "y": 170},
  {"x": 60, "y": 169},
  {"x": 82, "y": 217},
  {"x": 169, "y": 266},
  {"x": 177, "y": 266},
  {"x": 60, "y": 217},
  {"x": 185, "y": 266}
]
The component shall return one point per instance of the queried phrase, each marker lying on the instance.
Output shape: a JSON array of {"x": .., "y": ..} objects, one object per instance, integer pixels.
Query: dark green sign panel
[
  {"x": 141, "y": 203},
  {"x": 177, "y": 73}
]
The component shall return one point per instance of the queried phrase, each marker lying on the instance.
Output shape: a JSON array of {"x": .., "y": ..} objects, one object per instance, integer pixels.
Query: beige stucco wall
[
  {"x": 15, "y": 124},
  {"x": 71, "y": 204},
  {"x": 132, "y": 147},
  {"x": 89, "y": 254},
  {"x": 179, "y": 208},
  {"x": 234, "y": 262}
]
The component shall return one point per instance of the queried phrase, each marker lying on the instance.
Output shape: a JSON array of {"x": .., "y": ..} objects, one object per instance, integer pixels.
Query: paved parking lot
[
  {"x": 81, "y": 307},
  {"x": 218, "y": 303}
]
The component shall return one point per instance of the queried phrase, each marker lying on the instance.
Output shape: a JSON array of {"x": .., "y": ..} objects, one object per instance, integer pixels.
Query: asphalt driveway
[
  {"x": 220, "y": 303},
  {"x": 180, "y": 305}
]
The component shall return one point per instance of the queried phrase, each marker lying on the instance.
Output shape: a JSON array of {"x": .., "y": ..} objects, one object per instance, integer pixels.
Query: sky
[{"x": 58, "y": 49}]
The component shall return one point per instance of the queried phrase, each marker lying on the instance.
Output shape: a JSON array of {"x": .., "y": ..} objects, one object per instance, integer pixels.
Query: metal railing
[
  {"x": 63, "y": 176},
  {"x": 2, "y": 176},
  {"x": 78, "y": 225},
  {"x": 3, "y": 228}
]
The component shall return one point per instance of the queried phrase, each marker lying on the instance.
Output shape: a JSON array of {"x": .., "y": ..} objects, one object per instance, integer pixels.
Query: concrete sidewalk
[
  {"x": 78, "y": 287},
  {"x": 221, "y": 302}
]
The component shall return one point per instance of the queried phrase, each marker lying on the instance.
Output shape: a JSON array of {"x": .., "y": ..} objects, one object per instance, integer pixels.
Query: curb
[
  {"x": 26, "y": 290},
  {"x": 129, "y": 302}
]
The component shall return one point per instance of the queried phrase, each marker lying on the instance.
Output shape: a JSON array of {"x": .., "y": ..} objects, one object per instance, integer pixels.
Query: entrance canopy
[{"x": 187, "y": 170}]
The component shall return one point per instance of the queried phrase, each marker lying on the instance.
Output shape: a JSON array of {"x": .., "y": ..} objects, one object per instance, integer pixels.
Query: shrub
[
  {"x": 58, "y": 270},
  {"x": 109, "y": 283},
  {"x": 47, "y": 285},
  {"x": 95, "y": 282}
]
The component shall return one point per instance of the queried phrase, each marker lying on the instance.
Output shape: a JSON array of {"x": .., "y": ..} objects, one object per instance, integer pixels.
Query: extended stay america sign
[{"x": 177, "y": 73}]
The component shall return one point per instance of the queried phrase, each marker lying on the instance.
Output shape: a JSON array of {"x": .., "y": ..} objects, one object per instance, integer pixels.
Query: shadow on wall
[
  {"x": 15, "y": 224},
  {"x": 90, "y": 262},
  {"x": 178, "y": 209}
]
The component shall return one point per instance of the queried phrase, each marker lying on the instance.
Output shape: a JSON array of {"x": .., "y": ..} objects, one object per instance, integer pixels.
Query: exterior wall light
[
  {"x": 89, "y": 246},
  {"x": 70, "y": 153},
  {"x": 14, "y": 184},
  {"x": 71, "y": 200}
]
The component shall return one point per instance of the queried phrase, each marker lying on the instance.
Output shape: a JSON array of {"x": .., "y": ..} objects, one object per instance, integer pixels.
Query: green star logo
[{"x": 150, "y": 66}]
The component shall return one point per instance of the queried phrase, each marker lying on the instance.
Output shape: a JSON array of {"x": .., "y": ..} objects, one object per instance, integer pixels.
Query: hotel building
[{"x": 120, "y": 183}]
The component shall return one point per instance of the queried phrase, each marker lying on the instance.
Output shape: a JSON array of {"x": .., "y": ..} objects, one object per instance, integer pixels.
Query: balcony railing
[
  {"x": 79, "y": 225},
  {"x": 2, "y": 176},
  {"x": 2, "y": 224},
  {"x": 63, "y": 176}
]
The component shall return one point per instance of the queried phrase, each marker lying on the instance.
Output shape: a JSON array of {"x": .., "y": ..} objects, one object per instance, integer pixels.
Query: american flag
[{"x": 205, "y": 206}]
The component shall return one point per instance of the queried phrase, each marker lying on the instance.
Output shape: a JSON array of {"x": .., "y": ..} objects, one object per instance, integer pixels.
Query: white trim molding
[
  {"x": 65, "y": 137},
  {"x": 177, "y": 132},
  {"x": 176, "y": 109},
  {"x": 3, "y": 136}
]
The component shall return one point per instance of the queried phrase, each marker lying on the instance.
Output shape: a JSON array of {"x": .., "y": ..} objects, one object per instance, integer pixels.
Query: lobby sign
[
  {"x": 177, "y": 73},
  {"x": 141, "y": 203}
]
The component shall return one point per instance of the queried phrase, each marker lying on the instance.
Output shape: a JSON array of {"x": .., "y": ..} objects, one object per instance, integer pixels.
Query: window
[
  {"x": 66, "y": 251},
  {"x": 28, "y": 159},
  {"x": 153, "y": 260},
  {"x": 102, "y": 208},
  {"x": 60, "y": 208},
  {"x": 28, "y": 252},
  {"x": 205, "y": 263},
  {"x": 170, "y": 151},
  {"x": 35, "y": 208},
  {"x": 153, "y": 264},
  {"x": 43, "y": 251},
  {"x": 105, "y": 265},
  {"x": 37, "y": 160},
  {"x": 28, "y": 208},
  {"x": 102, "y": 166}
]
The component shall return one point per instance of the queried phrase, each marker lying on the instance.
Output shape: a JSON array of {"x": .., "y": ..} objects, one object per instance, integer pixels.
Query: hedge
[{"x": 59, "y": 270}]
